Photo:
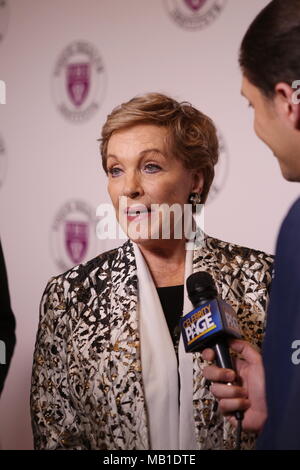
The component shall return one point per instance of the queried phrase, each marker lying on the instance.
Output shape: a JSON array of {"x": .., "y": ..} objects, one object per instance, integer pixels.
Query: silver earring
[{"x": 195, "y": 198}]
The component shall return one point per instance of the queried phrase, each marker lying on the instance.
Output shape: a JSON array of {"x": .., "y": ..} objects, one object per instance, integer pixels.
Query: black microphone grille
[{"x": 201, "y": 284}]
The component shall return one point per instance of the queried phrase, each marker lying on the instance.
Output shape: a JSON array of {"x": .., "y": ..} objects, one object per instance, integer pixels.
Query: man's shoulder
[
  {"x": 288, "y": 237},
  {"x": 293, "y": 215}
]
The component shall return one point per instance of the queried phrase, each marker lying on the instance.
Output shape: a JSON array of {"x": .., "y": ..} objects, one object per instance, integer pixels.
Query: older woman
[{"x": 110, "y": 370}]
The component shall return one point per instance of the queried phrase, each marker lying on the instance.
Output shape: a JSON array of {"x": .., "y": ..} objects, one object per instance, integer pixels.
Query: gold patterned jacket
[{"x": 87, "y": 389}]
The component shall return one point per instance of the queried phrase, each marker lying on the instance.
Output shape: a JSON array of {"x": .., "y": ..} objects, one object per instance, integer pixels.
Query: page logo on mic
[
  {"x": 199, "y": 322},
  {"x": 213, "y": 319}
]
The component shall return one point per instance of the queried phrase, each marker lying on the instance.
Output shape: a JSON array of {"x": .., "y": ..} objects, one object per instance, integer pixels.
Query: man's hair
[
  {"x": 270, "y": 50},
  {"x": 191, "y": 138}
]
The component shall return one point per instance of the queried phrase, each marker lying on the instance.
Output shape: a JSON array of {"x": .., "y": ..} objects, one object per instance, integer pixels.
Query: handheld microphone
[{"x": 211, "y": 323}]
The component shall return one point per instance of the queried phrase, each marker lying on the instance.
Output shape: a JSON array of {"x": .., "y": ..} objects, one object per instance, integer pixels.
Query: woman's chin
[{"x": 152, "y": 233}]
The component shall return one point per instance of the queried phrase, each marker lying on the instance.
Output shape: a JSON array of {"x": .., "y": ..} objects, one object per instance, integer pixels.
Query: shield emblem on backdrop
[
  {"x": 76, "y": 240},
  {"x": 195, "y": 4},
  {"x": 78, "y": 82}
]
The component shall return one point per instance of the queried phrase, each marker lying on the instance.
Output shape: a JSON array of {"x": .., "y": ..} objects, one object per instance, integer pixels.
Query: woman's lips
[{"x": 137, "y": 213}]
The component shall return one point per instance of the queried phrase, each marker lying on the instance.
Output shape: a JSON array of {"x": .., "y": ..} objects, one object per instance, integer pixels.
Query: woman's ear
[
  {"x": 287, "y": 103},
  {"x": 198, "y": 182}
]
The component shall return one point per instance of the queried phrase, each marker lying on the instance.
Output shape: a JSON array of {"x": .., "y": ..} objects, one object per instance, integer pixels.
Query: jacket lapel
[{"x": 128, "y": 402}]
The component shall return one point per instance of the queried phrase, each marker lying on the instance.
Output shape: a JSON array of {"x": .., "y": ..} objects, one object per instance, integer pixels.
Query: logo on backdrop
[
  {"x": 73, "y": 234},
  {"x": 194, "y": 14},
  {"x": 4, "y": 13},
  {"x": 3, "y": 162},
  {"x": 79, "y": 81},
  {"x": 221, "y": 170}
]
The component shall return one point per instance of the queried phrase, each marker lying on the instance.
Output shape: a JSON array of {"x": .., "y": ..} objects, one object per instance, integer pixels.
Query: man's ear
[{"x": 287, "y": 102}]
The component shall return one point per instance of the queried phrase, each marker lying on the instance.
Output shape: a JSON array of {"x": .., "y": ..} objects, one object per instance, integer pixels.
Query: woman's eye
[
  {"x": 152, "y": 168},
  {"x": 115, "y": 171}
]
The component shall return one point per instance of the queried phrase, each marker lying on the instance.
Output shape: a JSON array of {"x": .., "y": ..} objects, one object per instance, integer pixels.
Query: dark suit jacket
[
  {"x": 7, "y": 322},
  {"x": 281, "y": 358}
]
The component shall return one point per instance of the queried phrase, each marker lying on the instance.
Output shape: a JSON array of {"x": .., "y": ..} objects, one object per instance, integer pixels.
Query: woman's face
[{"x": 140, "y": 174}]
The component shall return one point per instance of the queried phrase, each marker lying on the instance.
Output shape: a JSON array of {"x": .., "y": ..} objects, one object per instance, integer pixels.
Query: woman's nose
[{"x": 132, "y": 187}]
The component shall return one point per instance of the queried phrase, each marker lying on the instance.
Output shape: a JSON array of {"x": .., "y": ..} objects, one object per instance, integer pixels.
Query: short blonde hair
[{"x": 192, "y": 136}]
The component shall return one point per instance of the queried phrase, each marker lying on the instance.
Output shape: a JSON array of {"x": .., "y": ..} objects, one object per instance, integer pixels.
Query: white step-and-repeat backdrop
[{"x": 51, "y": 179}]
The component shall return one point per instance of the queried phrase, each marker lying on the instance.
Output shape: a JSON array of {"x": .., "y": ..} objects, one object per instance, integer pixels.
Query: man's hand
[{"x": 247, "y": 391}]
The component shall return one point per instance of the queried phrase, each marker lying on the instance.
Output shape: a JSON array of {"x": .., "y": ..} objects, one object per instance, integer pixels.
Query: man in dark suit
[
  {"x": 7, "y": 324},
  {"x": 270, "y": 62}
]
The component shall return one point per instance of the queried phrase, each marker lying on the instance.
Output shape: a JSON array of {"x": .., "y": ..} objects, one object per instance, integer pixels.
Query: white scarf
[{"x": 171, "y": 426}]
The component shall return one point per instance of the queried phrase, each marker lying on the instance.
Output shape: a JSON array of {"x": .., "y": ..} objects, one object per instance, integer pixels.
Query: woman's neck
[{"x": 166, "y": 262}]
